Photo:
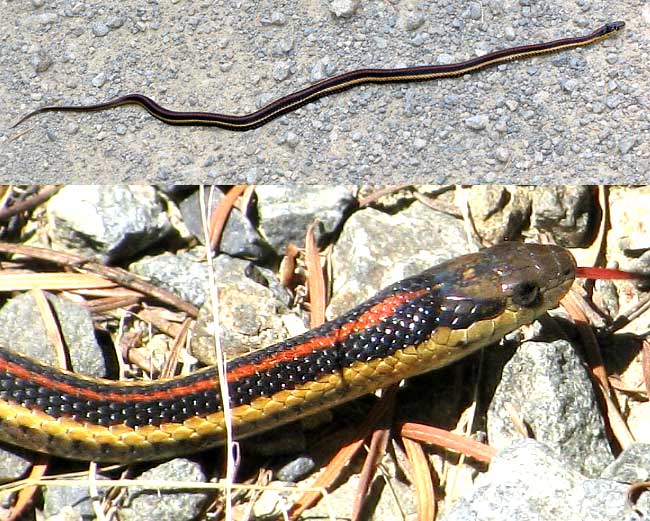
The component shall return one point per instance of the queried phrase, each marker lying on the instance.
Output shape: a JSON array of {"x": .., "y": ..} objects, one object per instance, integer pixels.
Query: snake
[
  {"x": 421, "y": 323},
  {"x": 336, "y": 84}
]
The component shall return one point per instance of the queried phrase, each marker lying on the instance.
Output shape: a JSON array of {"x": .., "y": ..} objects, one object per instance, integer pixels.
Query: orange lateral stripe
[
  {"x": 20, "y": 372},
  {"x": 370, "y": 318}
]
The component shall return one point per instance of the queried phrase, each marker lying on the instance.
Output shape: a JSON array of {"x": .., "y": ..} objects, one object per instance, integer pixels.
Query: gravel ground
[{"x": 579, "y": 116}]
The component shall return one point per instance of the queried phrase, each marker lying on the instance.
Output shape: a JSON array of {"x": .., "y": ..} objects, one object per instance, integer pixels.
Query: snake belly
[{"x": 413, "y": 326}]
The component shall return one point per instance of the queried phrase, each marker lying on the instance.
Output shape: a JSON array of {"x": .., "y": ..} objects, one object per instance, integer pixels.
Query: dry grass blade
[
  {"x": 421, "y": 478},
  {"x": 645, "y": 364},
  {"x": 378, "y": 444},
  {"x": 117, "y": 275},
  {"x": 51, "y": 327},
  {"x": 315, "y": 279},
  {"x": 26, "y": 494},
  {"x": 52, "y": 281},
  {"x": 342, "y": 458},
  {"x": 172, "y": 360},
  {"x": 448, "y": 440},
  {"x": 219, "y": 217},
  {"x": 517, "y": 420}
]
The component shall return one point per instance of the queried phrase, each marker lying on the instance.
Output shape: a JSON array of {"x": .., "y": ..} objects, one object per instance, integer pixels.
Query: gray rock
[
  {"x": 529, "y": 482},
  {"x": 296, "y": 469},
  {"x": 376, "y": 249},
  {"x": 180, "y": 274},
  {"x": 632, "y": 465},
  {"x": 108, "y": 222},
  {"x": 239, "y": 237},
  {"x": 286, "y": 212},
  {"x": 15, "y": 463},
  {"x": 499, "y": 212},
  {"x": 22, "y": 330},
  {"x": 166, "y": 505},
  {"x": 68, "y": 502},
  {"x": 551, "y": 392},
  {"x": 249, "y": 313},
  {"x": 566, "y": 212}
]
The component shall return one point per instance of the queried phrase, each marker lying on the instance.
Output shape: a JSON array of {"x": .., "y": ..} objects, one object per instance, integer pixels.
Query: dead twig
[
  {"x": 118, "y": 275},
  {"x": 43, "y": 195}
]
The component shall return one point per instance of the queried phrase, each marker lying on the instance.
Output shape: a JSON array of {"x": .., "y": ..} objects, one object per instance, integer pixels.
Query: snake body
[
  {"x": 336, "y": 84},
  {"x": 413, "y": 326}
]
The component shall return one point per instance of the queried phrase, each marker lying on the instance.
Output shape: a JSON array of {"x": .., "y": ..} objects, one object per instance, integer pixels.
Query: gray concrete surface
[{"x": 579, "y": 116}]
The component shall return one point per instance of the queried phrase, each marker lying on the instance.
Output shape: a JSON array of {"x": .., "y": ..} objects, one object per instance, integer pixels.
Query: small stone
[
  {"x": 444, "y": 59},
  {"x": 598, "y": 107},
  {"x": 115, "y": 22},
  {"x": 478, "y": 122},
  {"x": 570, "y": 85},
  {"x": 291, "y": 140},
  {"x": 502, "y": 154},
  {"x": 344, "y": 8},
  {"x": 41, "y": 61},
  {"x": 278, "y": 18},
  {"x": 46, "y": 18},
  {"x": 474, "y": 11},
  {"x": 512, "y": 104},
  {"x": 626, "y": 144},
  {"x": 419, "y": 143},
  {"x": 296, "y": 469},
  {"x": 100, "y": 29},
  {"x": 613, "y": 101},
  {"x": 281, "y": 71},
  {"x": 99, "y": 80},
  {"x": 413, "y": 21}
]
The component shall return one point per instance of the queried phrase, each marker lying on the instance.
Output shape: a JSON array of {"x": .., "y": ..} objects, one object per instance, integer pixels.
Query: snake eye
[{"x": 525, "y": 294}]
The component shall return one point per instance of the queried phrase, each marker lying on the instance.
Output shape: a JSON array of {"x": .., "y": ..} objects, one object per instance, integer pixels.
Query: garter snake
[
  {"x": 418, "y": 324},
  {"x": 336, "y": 84}
]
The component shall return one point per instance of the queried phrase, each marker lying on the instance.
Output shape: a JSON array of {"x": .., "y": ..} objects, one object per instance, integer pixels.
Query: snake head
[
  {"x": 511, "y": 282},
  {"x": 535, "y": 276}
]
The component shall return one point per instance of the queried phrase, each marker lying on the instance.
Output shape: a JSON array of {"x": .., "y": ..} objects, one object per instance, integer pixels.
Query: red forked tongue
[{"x": 606, "y": 273}]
